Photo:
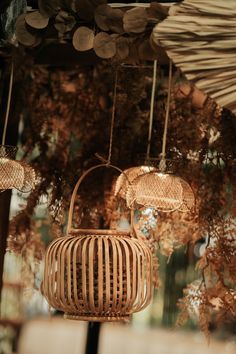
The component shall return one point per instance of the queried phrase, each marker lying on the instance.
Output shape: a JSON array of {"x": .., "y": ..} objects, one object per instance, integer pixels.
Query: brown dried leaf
[
  {"x": 104, "y": 45},
  {"x": 48, "y": 8},
  {"x": 64, "y": 22},
  {"x": 115, "y": 21},
  {"x": 135, "y": 20},
  {"x": 122, "y": 47},
  {"x": 23, "y": 35},
  {"x": 36, "y": 20},
  {"x": 157, "y": 11},
  {"x": 101, "y": 16},
  {"x": 133, "y": 57},
  {"x": 146, "y": 52},
  {"x": 83, "y": 39}
]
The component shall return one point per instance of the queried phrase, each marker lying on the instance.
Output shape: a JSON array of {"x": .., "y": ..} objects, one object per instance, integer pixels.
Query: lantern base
[{"x": 96, "y": 318}]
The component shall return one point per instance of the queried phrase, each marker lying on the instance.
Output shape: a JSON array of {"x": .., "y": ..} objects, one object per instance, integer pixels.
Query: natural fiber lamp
[
  {"x": 97, "y": 275},
  {"x": 13, "y": 174},
  {"x": 160, "y": 189}
]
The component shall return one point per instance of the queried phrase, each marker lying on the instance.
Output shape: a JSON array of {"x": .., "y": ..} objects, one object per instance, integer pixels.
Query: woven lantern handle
[{"x": 80, "y": 180}]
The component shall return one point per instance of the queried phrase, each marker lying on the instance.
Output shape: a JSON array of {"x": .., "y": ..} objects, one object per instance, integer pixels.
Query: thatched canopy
[{"x": 199, "y": 36}]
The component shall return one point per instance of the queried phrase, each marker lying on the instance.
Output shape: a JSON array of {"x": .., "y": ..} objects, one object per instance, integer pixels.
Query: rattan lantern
[
  {"x": 97, "y": 275},
  {"x": 14, "y": 174},
  {"x": 162, "y": 191}
]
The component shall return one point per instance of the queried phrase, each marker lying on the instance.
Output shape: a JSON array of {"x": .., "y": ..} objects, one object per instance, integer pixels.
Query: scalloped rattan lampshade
[
  {"x": 162, "y": 191},
  {"x": 14, "y": 174},
  {"x": 97, "y": 275}
]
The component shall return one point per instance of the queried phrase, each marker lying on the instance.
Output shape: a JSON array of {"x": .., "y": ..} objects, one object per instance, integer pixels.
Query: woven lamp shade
[
  {"x": 97, "y": 275},
  {"x": 14, "y": 174},
  {"x": 162, "y": 191},
  {"x": 128, "y": 176}
]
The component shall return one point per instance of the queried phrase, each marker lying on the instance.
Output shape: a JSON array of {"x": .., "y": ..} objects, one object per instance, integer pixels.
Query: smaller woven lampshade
[
  {"x": 162, "y": 191},
  {"x": 14, "y": 174},
  {"x": 128, "y": 176}
]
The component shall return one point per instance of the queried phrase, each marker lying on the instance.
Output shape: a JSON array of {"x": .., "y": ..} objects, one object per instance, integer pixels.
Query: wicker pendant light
[
  {"x": 161, "y": 190},
  {"x": 13, "y": 174},
  {"x": 97, "y": 275}
]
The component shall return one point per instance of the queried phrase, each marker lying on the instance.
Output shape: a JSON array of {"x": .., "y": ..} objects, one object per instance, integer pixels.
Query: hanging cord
[
  {"x": 8, "y": 104},
  {"x": 108, "y": 160},
  {"x": 162, "y": 165},
  {"x": 151, "y": 109}
]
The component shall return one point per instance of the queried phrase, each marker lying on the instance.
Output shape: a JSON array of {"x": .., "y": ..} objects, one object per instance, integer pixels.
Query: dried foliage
[
  {"x": 67, "y": 120},
  {"x": 122, "y": 34}
]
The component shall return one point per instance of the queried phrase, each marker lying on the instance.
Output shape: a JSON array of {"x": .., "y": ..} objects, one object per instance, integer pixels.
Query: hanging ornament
[
  {"x": 98, "y": 275},
  {"x": 159, "y": 189},
  {"x": 130, "y": 174},
  {"x": 13, "y": 174}
]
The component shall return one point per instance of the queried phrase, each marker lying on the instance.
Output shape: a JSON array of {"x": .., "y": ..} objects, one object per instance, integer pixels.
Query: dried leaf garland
[
  {"x": 128, "y": 24},
  {"x": 83, "y": 39}
]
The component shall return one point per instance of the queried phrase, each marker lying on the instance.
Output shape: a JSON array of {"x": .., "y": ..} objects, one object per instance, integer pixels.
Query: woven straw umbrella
[{"x": 200, "y": 37}]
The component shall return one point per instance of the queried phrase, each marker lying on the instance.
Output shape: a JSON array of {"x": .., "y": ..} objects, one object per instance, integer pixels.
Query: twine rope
[
  {"x": 112, "y": 119},
  {"x": 162, "y": 165},
  {"x": 101, "y": 158},
  {"x": 151, "y": 109},
  {"x": 8, "y": 104}
]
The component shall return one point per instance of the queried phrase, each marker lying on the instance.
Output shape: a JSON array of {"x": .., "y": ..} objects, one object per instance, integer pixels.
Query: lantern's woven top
[
  {"x": 128, "y": 176},
  {"x": 162, "y": 191},
  {"x": 15, "y": 174}
]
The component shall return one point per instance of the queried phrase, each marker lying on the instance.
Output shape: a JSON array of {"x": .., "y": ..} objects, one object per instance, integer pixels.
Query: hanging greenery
[{"x": 66, "y": 116}]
